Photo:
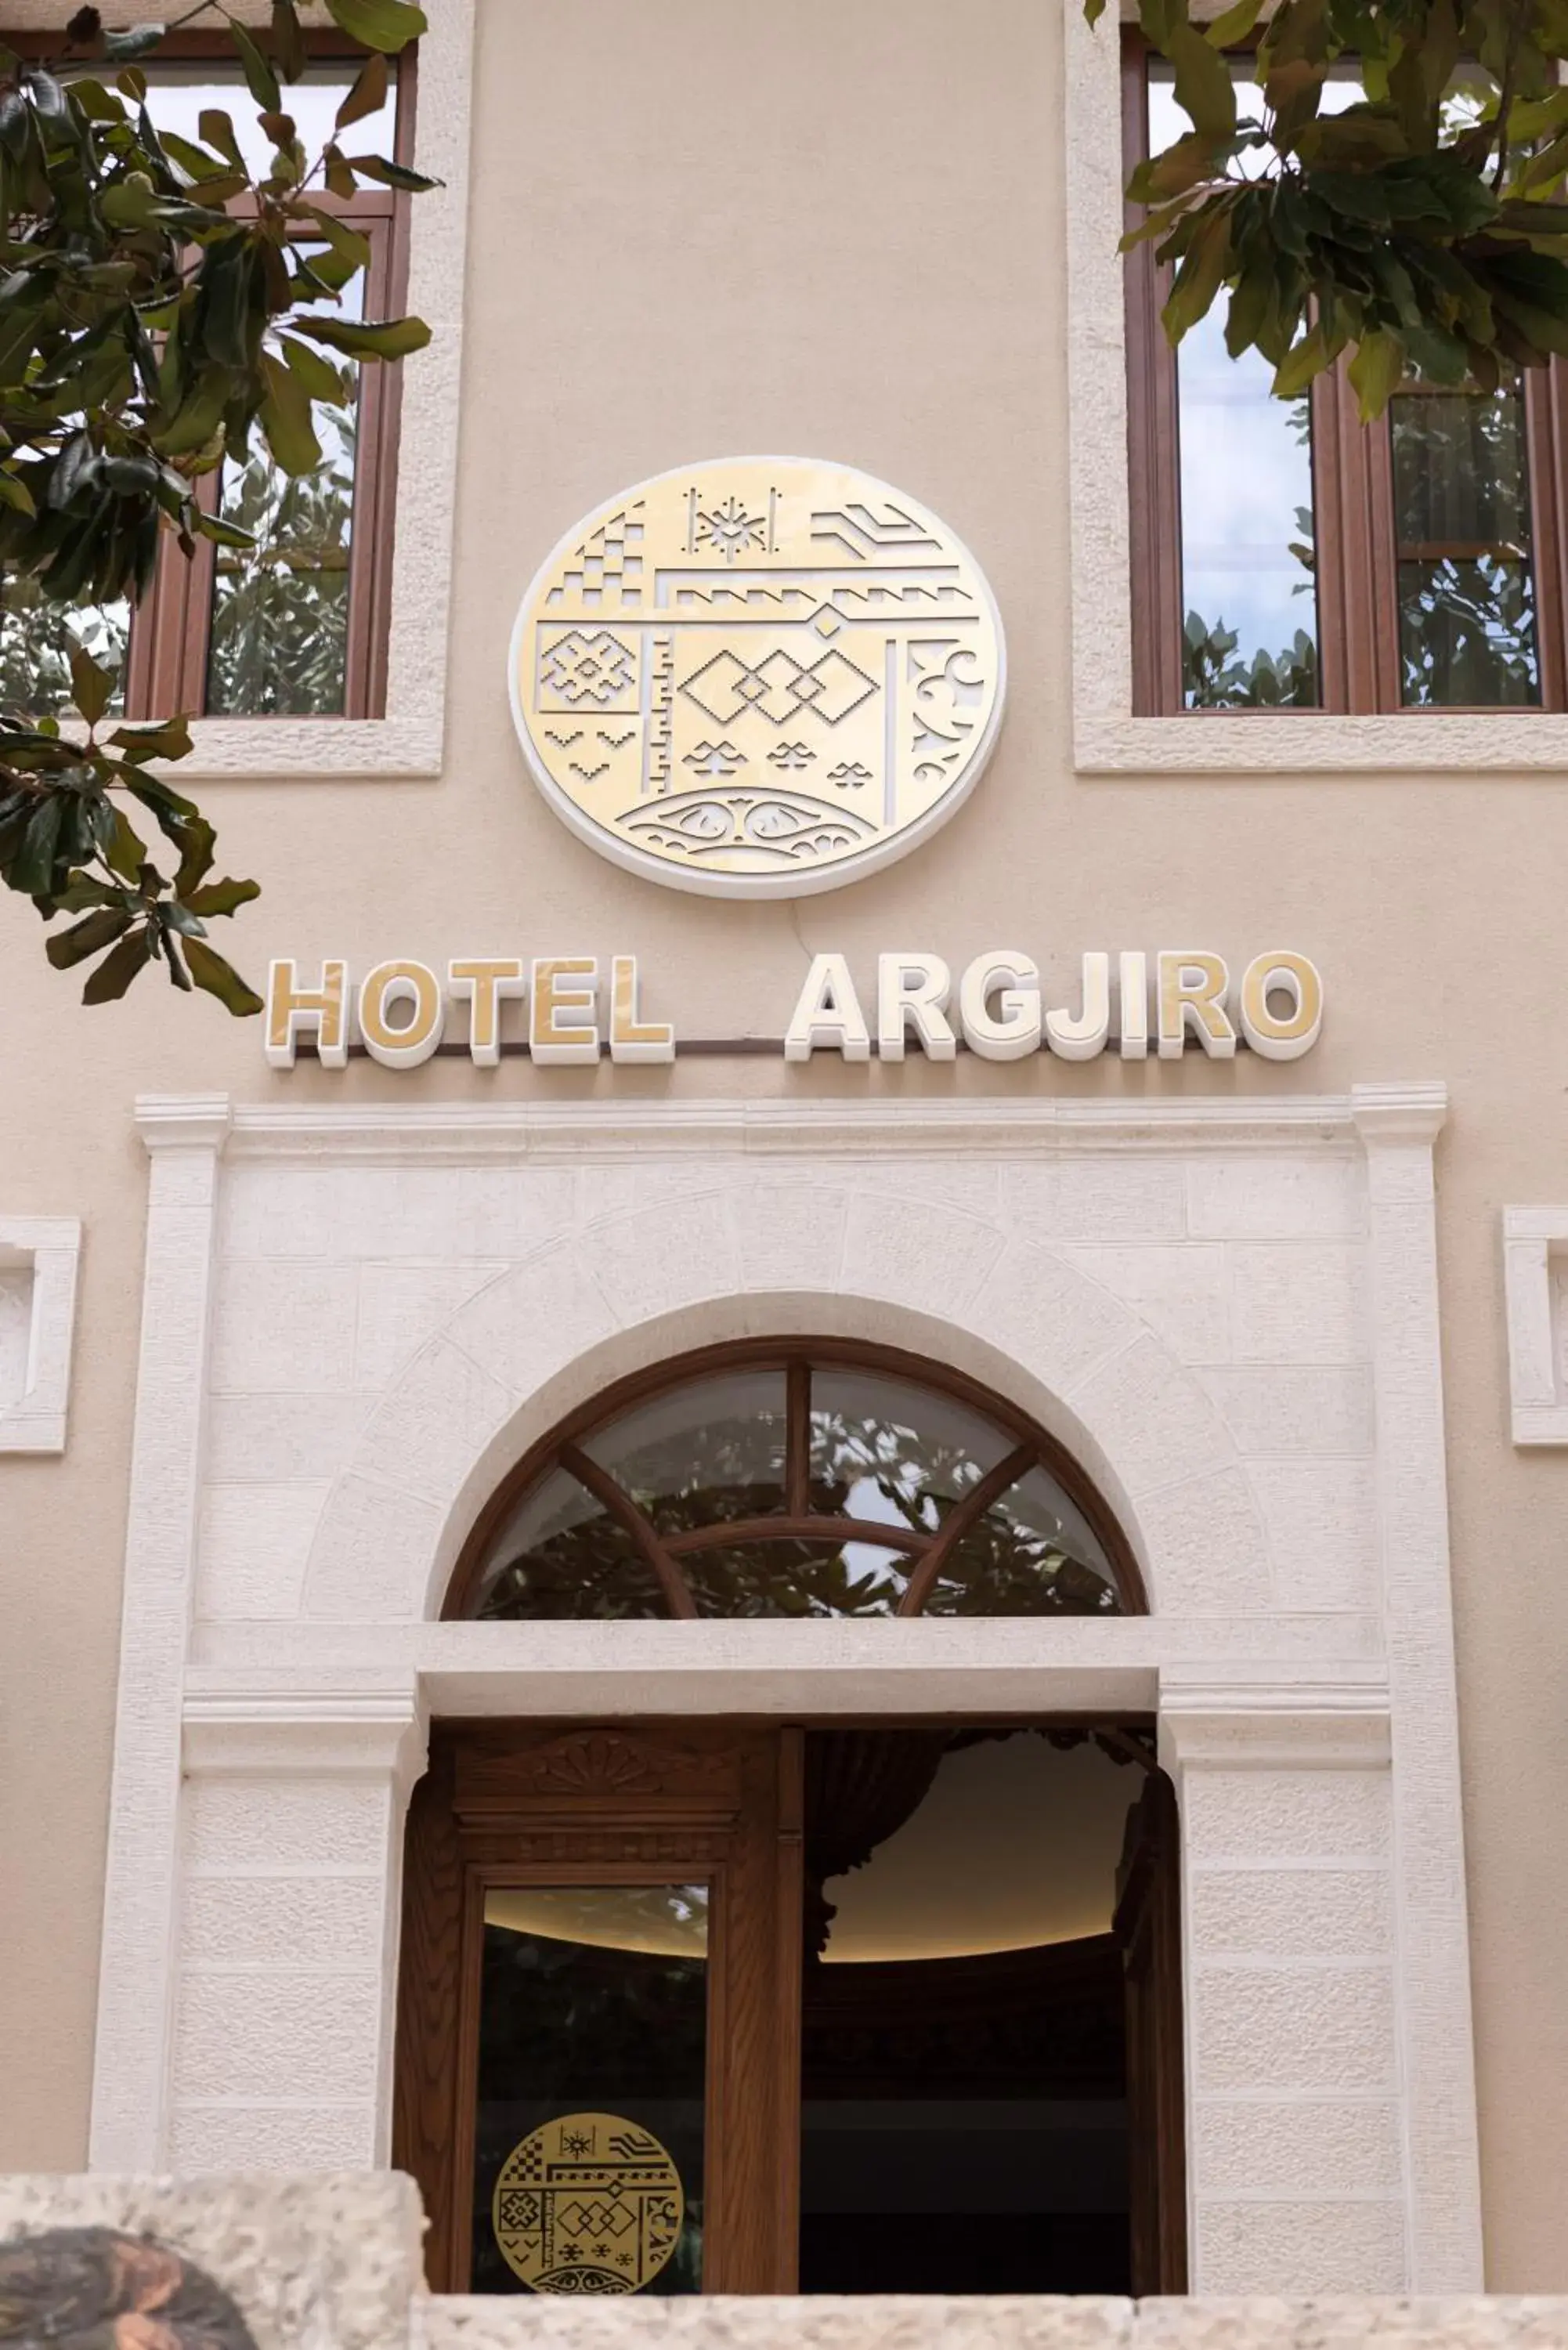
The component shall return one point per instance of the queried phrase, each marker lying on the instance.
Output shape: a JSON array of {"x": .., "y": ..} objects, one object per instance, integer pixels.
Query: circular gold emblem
[
  {"x": 758, "y": 677},
  {"x": 589, "y": 2203}
]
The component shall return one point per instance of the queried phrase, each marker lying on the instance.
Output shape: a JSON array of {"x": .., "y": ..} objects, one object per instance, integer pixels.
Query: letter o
[
  {"x": 401, "y": 982},
  {"x": 1265, "y": 1031}
]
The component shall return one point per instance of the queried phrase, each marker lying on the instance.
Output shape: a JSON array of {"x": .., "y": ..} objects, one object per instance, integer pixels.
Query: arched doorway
[{"x": 737, "y": 2006}]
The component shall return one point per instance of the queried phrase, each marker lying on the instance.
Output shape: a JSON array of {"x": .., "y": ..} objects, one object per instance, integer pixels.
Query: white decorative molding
[
  {"x": 1289, "y": 1723},
  {"x": 379, "y": 1733},
  {"x": 39, "y": 1256},
  {"x": 1108, "y": 738},
  {"x": 140, "y": 1949},
  {"x": 434, "y": 1133},
  {"x": 1438, "y": 2069},
  {"x": 1535, "y": 1288}
]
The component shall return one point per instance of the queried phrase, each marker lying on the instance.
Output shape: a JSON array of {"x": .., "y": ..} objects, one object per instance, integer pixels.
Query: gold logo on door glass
[
  {"x": 758, "y": 677},
  {"x": 587, "y": 2204}
]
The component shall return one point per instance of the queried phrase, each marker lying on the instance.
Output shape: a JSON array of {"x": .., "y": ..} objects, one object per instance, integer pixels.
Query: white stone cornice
[
  {"x": 184, "y": 1121},
  {"x": 1396, "y": 1115},
  {"x": 341, "y": 1733},
  {"x": 1293, "y": 1725},
  {"x": 463, "y": 1131}
]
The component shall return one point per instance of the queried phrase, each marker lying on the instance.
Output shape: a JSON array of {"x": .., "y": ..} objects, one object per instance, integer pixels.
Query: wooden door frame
[
  {"x": 626, "y": 1829},
  {"x": 520, "y": 1803}
]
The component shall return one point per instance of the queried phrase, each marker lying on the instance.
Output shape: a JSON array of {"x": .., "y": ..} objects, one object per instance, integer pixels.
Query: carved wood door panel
[{"x": 603, "y": 1926}]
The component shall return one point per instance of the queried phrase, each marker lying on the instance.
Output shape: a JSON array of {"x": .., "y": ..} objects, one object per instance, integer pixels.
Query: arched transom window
[{"x": 802, "y": 1480}]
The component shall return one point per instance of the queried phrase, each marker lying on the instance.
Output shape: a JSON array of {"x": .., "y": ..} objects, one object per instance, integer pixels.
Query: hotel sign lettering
[{"x": 572, "y": 1010}]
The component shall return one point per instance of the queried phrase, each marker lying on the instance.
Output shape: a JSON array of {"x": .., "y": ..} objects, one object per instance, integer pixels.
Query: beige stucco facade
[{"x": 841, "y": 227}]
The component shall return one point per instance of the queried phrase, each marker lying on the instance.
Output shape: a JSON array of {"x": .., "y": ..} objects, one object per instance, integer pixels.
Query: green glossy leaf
[
  {"x": 385, "y": 339},
  {"x": 1234, "y": 25},
  {"x": 210, "y": 970},
  {"x": 1303, "y": 362},
  {"x": 390, "y": 175},
  {"x": 260, "y": 78},
  {"x": 169, "y": 740},
  {"x": 1375, "y": 372},
  {"x": 386, "y": 25},
  {"x": 91, "y": 686},
  {"x": 87, "y": 937},
  {"x": 199, "y": 844},
  {"x": 287, "y": 40},
  {"x": 321, "y": 380},
  {"x": 217, "y": 129},
  {"x": 222, "y": 896},
  {"x": 32, "y": 868},
  {"x": 368, "y": 94},
  {"x": 118, "y": 968},
  {"x": 287, "y": 421},
  {"x": 1204, "y": 89},
  {"x": 1200, "y": 274}
]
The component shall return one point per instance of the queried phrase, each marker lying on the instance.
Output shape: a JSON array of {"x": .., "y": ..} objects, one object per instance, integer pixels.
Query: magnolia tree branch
[
  {"x": 163, "y": 306},
  {"x": 1422, "y": 228}
]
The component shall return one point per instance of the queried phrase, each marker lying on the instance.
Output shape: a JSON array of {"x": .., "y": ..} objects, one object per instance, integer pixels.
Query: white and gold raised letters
[{"x": 757, "y": 677}]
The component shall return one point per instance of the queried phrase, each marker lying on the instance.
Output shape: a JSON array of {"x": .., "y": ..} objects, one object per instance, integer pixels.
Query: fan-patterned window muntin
[{"x": 813, "y": 1478}]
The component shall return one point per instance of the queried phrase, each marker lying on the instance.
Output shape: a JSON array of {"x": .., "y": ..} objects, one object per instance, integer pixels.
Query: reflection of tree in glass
[
  {"x": 591, "y": 1572},
  {"x": 1466, "y": 633},
  {"x": 868, "y": 1466},
  {"x": 280, "y": 608},
  {"x": 1461, "y": 501},
  {"x": 1213, "y": 677},
  {"x": 916, "y": 1475},
  {"x": 710, "y": 1470},
  {"x": 1004, "y": 1567},
  {"x": 36, "y": 640},
  {"x": 795, "y": 1578}
]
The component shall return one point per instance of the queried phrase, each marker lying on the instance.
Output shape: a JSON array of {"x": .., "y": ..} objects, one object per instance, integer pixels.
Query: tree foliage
[
  {"x": 165, "y": 308},
  {"x": 1422, "y": 228}
]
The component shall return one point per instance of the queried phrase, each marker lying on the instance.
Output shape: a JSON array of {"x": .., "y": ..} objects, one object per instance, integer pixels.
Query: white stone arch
[
  {"x": 748, "y": 1259},
  {"x": 263, "y": 1763}
]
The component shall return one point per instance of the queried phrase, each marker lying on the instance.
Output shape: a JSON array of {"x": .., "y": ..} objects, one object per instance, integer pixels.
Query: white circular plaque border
[{"x": 648, "y": 868}]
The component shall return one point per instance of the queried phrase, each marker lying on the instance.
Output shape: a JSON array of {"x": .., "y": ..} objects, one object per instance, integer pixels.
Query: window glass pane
[
  {"x": 797, "y": 1578},
  {"x": 592, "y": 2033},
  {"x": 1033, "y": 1553},
  {"x": 280, "y": 607},
  {"x": 561, "y": 1555},
  {"x": 177, "y": 94},
  {"x": 895, "y": 1453},
  {"x": 35, "y": 640},
  {"x": 1249, "y": 608},
  {"x": 1249, "y": 598},
  {"x": 1461, "y": 517},
  {"x": 709, "y": 1452}
]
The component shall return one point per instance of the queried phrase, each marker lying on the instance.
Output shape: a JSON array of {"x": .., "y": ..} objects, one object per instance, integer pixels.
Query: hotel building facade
[{"x": 810, "y": 1533}]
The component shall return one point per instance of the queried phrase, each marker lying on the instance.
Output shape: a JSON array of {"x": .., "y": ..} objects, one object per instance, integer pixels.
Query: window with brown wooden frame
[
  {"x": 296, "y": 625},
  {"x": 1285, "y": 555}
]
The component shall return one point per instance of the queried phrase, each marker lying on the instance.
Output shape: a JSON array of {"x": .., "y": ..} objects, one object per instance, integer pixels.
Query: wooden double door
[{"x": 612, "y": 2005}]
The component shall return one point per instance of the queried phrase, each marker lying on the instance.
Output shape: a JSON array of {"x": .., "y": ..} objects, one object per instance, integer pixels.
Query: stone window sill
[
  {"x": 324, "y": 750},
  {"x": 1241, "y": 743}
]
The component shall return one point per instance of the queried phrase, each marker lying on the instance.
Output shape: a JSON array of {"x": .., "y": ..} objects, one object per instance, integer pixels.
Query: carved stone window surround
[{"x": 38, "y": 1259}]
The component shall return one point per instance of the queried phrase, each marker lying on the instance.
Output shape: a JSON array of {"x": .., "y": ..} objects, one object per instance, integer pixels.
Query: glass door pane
[{"x": 588, "y": 2153}]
